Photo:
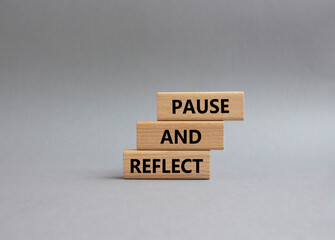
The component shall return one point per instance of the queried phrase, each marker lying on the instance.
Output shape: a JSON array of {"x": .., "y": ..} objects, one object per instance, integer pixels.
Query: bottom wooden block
[{"x": 166, "y": 164}]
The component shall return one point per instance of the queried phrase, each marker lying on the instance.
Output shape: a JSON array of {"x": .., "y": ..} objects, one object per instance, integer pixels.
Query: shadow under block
[
  {"x": 180, "y": 135},
  {"x": 173, "y": 106},
  {"x": 166, "y": 164}
]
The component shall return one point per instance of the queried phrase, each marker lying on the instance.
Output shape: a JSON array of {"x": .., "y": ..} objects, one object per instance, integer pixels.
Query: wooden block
[
  {"x": 179, "y": 135},
  {"x": 200, "y": 106},
  {"x": 166, "y": 164}
]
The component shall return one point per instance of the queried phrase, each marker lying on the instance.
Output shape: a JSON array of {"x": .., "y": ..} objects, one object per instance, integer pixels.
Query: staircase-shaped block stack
[{"x": 178, "y": 145}]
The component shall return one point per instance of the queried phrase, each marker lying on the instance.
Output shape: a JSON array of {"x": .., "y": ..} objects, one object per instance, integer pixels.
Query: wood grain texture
[
  {"x": 151, "y": 133},
  {"x": 171, "y": 106},
  {"x": 166, "y": 164}
]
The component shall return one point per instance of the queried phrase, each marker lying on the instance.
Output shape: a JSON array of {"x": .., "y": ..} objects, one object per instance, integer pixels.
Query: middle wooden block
[{"x": 180, "y": 135}]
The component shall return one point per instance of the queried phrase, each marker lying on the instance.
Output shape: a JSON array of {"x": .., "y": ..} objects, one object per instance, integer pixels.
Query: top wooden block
[{"x": 200, "y": 106}]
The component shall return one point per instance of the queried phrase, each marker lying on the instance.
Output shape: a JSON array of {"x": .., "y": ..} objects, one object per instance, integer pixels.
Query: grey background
[{"x": 77, "y": 75}]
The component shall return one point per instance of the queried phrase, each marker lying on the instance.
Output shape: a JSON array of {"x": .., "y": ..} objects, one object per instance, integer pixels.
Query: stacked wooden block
[{"x": 178, "y": 145}]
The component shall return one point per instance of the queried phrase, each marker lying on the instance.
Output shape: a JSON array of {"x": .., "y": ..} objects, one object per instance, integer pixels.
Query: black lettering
[
  {"x": 175, "y": 106},
  {"x": 183, "y": 166},
  {"x": 164, "y": 167},
  {"x": 214, "y": 106},
  {"x": 223, "y": 106},
  {"x": 166, "y": 137},
  {"x": 155, "y": 165},
  {"x": 192, "y": 141},
  {"x": 146, "y": 165},
  {"x": 174, "y": 166},
  {"x": 134, "y": 163},
  {"x": 182, "y": 138},
  {"x": 197, "y": 161},
  {"x": 205, "y": 107},
  {"x": 188, "y": 106}
]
